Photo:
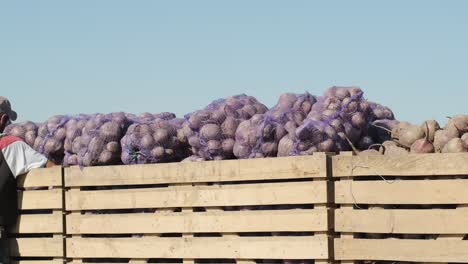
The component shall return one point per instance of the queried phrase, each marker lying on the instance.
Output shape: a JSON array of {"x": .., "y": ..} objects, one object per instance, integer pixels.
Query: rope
[{"x": 350, "y": 178}]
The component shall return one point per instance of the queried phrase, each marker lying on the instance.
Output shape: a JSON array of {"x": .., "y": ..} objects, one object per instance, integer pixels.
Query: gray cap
[{"x": 5, "y": 108}]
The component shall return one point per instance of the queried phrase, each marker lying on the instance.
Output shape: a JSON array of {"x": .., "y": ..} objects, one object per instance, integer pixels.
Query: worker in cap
[{"x": 16, "y": 158}]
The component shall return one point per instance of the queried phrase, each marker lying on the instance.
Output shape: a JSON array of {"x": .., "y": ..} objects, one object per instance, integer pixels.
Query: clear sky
[{"x": 66, "y": 57}]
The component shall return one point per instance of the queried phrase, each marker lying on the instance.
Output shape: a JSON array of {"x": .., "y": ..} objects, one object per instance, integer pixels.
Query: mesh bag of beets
[
  {"x": 259, "y": 136},
  {"x": 154, "y": 141},
  {"x": 342, "y": 116},
  {"x": 27, "y": 131},
  {"x": 211, "y": 130}
]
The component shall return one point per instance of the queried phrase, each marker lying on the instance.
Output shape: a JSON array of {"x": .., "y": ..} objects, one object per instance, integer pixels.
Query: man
[{"x": 16, "y": 158}]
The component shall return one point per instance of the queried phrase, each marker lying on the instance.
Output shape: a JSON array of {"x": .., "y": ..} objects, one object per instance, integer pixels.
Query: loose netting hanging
[
  {"x": 211, "y": 131},
  {"x": 259, "y": 136}
]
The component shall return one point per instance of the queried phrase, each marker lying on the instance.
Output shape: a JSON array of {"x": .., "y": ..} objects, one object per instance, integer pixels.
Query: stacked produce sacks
[
  {"x": 211, "y": 131},
  {"x": 95, "y": 139},
  {"x": 340, "y": 118},
  {"x": 259, "y": 136},
  {"x": 97, "y": 142},
  {"x": 241, "y": 127}
]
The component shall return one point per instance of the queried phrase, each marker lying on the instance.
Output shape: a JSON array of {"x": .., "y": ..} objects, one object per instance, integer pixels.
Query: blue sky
[{"x": 66, "y": 57}]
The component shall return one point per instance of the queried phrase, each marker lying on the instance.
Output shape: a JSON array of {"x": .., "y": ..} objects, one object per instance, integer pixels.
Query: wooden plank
[
  {"x": 431, "y": 221},
  {"x": 460, "y": 208},
  {"x": 199, "y": 196},
  {"x": 395, "y": 221},
  {"x": 41, "y": 177},
  {"x": 402, "y": 250},
  {"x": 195, "y": 172},
  {"x": 39, "y": 223},
  {"x": 409, "y": 165},
  {"x": 201, "y": 222},
  {"x": 402, "y": 192},
  {"x": 287, "y": 247},
  {"x": 45, "y": 199},
  {"x": 36, "y": 247}
]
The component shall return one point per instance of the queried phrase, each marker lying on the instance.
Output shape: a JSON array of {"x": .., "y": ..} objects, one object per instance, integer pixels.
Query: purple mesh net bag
[
  {"x": 51, "y": 138},
  {"x": 211, "y": 131},
  {"x": 27, "y": 131},
  {"x": 154, "y": 141},
  {"x": 340, "y": 117},
  {"x": 74, "y": 128},
  {"x": 99, "y": 141},
  {"x": 259, "y": 136}
]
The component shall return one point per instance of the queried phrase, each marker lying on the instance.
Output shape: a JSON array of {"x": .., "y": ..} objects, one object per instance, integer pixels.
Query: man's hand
[{"x": 50, "y": 164}]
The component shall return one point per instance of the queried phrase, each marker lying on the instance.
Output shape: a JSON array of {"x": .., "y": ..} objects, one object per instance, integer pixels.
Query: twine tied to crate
[{"x": 350, "y": 179}]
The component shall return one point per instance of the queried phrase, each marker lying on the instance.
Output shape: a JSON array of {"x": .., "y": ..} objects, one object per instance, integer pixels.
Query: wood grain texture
[
  {"x": 41, "y": 177},
  {"x": 200, "y": 247},
  {"x": 440, "y": 164},
  {"x": 36, "y": 247},
  {"x": 38, "y": 223},
  {"x": 402, "y": 250},
  {"x": 199, "y": 196},
  {"x": 197, "y": 172},
  {"x": 46, "y": 199},
  {"x": 430, "y": 221},
  {"x": 402, "y": 192},
  {"x": 200, "y": 222}
]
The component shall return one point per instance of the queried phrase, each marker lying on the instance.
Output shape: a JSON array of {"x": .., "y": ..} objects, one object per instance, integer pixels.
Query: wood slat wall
[
  {"x": 199, "y": 172},
  {"x": 41, "y": 194},
  {"x": 238, "y": 210},
  {"x": 249, "y": 210},
  {"x": 420, "y": 200}
]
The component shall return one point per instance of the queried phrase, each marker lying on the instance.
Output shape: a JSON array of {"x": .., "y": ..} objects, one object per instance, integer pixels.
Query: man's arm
[{"x": 21, "y": 158}]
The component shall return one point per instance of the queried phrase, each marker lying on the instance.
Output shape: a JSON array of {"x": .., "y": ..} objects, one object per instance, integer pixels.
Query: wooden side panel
[
  {"x": 199, "y": 196},
  {"x": 198, "y": 247},
  {"x": 197, "y": 172},
  {"x": 202, "y": 222},
  {"x": 408, "y": 165}
]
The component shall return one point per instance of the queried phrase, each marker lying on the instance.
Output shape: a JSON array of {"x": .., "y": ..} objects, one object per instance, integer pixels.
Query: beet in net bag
[{"x": 211, "y": 130}]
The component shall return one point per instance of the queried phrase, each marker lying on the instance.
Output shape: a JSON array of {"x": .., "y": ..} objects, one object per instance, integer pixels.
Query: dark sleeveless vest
[{"x": 8, "y": 194}]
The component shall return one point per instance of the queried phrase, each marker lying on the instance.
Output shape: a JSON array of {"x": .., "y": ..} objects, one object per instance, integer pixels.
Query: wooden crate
[
  {"x": 401, "y": 208},
  {"x": 38, "y": 236},
  {"x": 235, "y": 211}
]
